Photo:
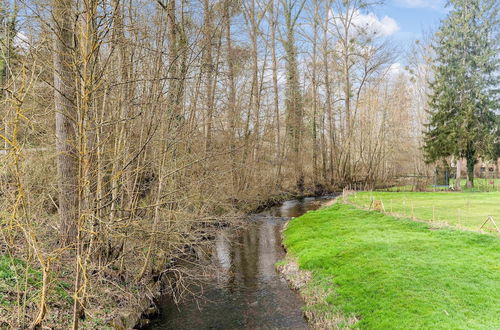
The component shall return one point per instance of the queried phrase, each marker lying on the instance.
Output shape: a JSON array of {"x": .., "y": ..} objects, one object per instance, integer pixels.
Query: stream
[{"x": 247, "y": 293}]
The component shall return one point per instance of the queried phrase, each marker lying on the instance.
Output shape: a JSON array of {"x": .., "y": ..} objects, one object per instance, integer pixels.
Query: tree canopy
[{"x": 464, "y": 97}]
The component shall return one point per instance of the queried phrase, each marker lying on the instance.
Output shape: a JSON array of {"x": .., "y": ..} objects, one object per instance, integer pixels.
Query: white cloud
[
  {"x": 432, "y": 4},
  {"x": 370, "y": 23},
  {"x": 385, "y": 26},
  {"x": 395, "y": 69},
  {"x": 21, "y": 41}
]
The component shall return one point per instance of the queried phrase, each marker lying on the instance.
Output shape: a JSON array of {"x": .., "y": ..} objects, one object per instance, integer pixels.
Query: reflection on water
[
  {"x": 247, "y": 293},
  {"x": 223, "y": 257}
]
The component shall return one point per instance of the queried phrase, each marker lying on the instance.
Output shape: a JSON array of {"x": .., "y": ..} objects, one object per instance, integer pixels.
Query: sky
[
  {"x": 408, "y": 20},
  {"x": 403, "y": 21}
]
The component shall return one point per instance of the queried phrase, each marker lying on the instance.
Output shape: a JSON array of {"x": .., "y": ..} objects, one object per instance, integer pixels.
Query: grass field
[
  {"x": 463, "y": 209},
  {"x": 397, "y": 274},
  {"x": 480, "y": 184},
  {"x": 410, "y": 188}
]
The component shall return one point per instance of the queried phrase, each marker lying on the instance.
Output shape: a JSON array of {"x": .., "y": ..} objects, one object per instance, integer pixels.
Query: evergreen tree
[{"x": 465, "y": 87}]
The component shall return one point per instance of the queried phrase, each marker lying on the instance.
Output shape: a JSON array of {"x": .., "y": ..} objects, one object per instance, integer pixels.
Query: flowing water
[{"x": 247, "y": 293}]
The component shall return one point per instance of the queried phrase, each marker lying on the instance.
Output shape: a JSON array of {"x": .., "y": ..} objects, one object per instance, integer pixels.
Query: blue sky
[
  {"x": 413, "y": 17},
  {"x": 403, "y": 21}
]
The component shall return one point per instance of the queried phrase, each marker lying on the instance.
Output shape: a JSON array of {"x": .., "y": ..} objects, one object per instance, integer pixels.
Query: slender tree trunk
[
  {"x": 231, "y": 113},
  {"x": 328, "y": 98},
  {"x": 207, "y": 68},
  {"x": 66, "y": 117},
  {"x": 9, "y": 31},
  {"x": 173, "y": 62},
  {"x": 118, "y": 43},
  {"x": 315, "y": 96},
  {"x": 255, "y": 93},
  {"x": 347, "y": 108},
  {"x": 276, "y": 92},
  {"x": 293, "y": 102}
]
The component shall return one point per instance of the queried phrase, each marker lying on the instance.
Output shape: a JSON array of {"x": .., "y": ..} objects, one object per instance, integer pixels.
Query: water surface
[{"x": 246, "y": 292}]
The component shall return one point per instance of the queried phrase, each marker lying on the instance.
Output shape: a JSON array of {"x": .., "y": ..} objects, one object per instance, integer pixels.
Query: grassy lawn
[
  {"x": 480, "y": 184},
  {"x": 410, "y": 188},
  {"x": 397, "y": 274},
  {"x": 463, "y": 209}
]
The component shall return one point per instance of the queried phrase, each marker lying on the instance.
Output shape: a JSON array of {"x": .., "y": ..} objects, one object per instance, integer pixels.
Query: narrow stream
[{"x": 247, "y": 293}]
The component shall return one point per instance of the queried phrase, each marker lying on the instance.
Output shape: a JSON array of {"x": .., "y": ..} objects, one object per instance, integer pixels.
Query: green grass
[
  {"x": 398, "y": 274},
  {"x": 480, "y": 184},
  {"x": 409, "y": 188},
  {"x": 399, "y": 188},
  {"x": 13, "y": 275},
  {"x": 11, "y": 271},
  {"x": 463, "y": 209}
]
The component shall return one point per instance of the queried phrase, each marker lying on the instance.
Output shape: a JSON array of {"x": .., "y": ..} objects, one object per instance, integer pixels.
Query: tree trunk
[
  {"x": 328, "y": 99},
  {"x": 276, "y": 92},
  {"x": 458, "y": 175},
  {"x": 173, "y": 62},
  {"x": 9, "y": 31},
  {"x": 66, "y": 115},
  {"x": 293, "y": 101},
  {"x": 470, "y": 172},
  {"x": 315, "y": 97},
  {"x": 255, "y": 94},
  {"x": 470, "y": 154},
  {"x": 207, "y": 69}
]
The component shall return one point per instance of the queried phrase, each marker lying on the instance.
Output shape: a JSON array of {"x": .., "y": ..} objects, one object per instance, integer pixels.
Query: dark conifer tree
[{"x": 465, "y": 86}]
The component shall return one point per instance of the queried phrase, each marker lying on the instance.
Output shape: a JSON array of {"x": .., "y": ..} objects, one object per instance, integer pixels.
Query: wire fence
[
  {"x": 428, "y": 183},
  {"x": 463, "y": 213}
]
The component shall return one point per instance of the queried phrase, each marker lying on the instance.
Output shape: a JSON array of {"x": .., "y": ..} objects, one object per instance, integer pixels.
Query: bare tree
[{"x": 293, "y": 98}]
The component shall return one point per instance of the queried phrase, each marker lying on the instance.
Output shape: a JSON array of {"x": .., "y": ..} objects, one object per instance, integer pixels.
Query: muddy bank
[
  {"x": 299, "y": 280},
  {"x": 316, "y": 314}
]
